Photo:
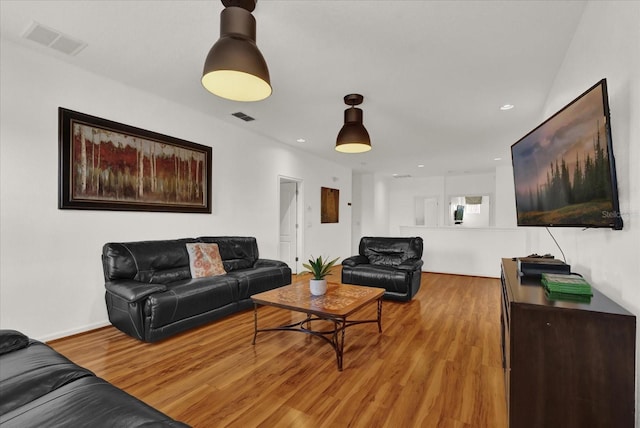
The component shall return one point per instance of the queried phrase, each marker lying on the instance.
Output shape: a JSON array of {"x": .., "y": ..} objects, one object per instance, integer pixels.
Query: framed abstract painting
[{"x": 106, "y": 165}]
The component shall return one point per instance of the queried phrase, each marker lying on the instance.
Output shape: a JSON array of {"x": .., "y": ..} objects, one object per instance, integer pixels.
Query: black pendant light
[
  {"x": 235, "y": 69},
  {"x": 353, "y": 137}
]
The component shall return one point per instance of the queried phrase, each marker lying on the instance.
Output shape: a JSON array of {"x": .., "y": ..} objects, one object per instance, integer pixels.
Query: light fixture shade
[
  {"x": 353, "y": 137},
  {"x": 235, "y": 68}
]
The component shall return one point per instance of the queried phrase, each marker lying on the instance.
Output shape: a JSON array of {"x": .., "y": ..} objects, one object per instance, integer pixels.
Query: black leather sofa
[
  {"x": 41, "y": 388},
  {"x": 394, "y": 264},
  {"x": 151, "y": 295}
]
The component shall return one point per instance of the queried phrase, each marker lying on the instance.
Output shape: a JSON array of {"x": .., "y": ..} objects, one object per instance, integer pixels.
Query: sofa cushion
[
  {"x": 204, "y": 260},
  {"x": 187, "y": 298},
  {"x": 147, "y": 261},
  {"x": 88, "y": 402},
  {"x": 384, "y": 258},
  {"x": 34, "y": 371},
  {"x": 11, "y": 340},
  {"x": 166, "y": 276},
  {"x": 387, "y": 251},
  {"x": 237, "y": 252},
  {"x": 261, "y": 278},
  {"x": 387, "y": 277}
]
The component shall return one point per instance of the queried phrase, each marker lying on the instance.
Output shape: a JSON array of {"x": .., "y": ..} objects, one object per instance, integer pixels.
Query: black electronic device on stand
[{"x": 535, "y": 265}]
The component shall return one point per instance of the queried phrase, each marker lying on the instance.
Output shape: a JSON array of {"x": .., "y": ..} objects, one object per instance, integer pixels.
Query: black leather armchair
[{"x": 394, "y": 264}]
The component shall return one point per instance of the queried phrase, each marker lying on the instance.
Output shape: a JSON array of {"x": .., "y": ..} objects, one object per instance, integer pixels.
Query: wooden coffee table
[{"x": 340, "y": 302}]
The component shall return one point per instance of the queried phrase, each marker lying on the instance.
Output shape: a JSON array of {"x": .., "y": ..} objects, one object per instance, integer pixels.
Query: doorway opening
[{"x": 290, "y": 238}]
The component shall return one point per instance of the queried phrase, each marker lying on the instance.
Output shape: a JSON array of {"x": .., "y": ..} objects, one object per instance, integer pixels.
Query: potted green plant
[{"x": 319, "y": 268}]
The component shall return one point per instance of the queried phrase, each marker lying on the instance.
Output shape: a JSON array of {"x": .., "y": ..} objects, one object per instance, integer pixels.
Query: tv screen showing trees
[{"x": 564, "y": 170}]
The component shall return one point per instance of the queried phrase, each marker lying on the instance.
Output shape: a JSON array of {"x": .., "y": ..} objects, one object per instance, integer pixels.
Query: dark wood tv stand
[{"x": 565, "y": 364}]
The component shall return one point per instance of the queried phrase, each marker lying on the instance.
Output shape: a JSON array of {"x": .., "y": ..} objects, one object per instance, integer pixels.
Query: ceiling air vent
[
  {"x": 53, "y": 39},
  {"x": 401, "y": 175},
  {"x": 241, "y": 115}
]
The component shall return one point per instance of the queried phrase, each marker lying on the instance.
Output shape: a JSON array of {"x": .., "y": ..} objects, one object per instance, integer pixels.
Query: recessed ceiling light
[
  {"x": 421, "y": 166},
  {"x": 301, "y": 140},
  {"x": 497, "y": 159},
  {"x": 395, "y": 175},
  {"x": 507, "y": 107}
]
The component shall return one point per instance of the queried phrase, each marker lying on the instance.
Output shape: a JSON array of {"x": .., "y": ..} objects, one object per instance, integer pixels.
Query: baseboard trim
[{"x": 73, "y": 332}]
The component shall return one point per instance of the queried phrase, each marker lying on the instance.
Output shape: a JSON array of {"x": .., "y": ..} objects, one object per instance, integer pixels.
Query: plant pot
[{"x": 318, "y": 286}]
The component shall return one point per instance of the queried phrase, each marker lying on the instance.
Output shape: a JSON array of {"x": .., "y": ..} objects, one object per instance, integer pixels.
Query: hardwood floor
[{"x": 437, "y": 363}]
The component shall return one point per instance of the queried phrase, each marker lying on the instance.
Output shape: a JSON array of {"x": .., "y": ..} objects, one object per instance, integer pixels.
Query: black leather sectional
[
  {"x": 394, "y": 264},
  {"x": 151, "y": 295},
  {"x": 41, "y": 388}
]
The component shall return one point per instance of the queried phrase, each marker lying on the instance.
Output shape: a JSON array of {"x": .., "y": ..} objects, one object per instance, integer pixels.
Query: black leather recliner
[{"x": 394, "y": 264}]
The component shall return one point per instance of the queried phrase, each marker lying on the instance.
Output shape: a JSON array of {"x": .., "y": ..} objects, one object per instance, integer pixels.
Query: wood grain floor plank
[{"x": 437, "y": 363}]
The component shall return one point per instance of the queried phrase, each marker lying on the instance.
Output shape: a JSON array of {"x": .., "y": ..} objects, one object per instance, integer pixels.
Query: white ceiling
[{"x": 433, "y": 73}]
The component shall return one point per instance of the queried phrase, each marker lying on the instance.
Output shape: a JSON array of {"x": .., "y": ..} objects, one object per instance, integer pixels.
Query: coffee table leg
[
  {"x": 255, "y": 322},
  {"x": 340, "y": 327},
  {"x": 380, "y": 315}
]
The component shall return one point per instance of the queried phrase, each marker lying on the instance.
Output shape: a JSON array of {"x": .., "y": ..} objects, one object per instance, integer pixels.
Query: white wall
[
  {"x": 356, "y": 211},
  {"x": 505, "y": 202},
  {"x": 402, "y": 199},
  {"x": 448, "y": 248},
  {"x": 467, "y": 251},
  {"x": 607, "y": 44},
  {"x": 403, "y": 192},
  {"x": 51, "y": 282},
  {"x": 381, "y": 206},
  {"x": 608, "y": 258},
  {"x": 373, "y": 212}
]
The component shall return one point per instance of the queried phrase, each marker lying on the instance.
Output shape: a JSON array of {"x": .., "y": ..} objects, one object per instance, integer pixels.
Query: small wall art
[{"x": 329, "y": 205}]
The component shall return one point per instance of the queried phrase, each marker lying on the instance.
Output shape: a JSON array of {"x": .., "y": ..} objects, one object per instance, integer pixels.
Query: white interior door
[{"x": 288, "y": 224}]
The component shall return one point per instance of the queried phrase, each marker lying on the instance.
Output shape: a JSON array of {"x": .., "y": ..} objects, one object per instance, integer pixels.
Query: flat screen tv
[{"x": 564, "y": 170}]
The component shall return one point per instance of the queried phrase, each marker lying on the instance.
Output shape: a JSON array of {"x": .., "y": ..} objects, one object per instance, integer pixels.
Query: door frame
[{"x": 299, "y": 220}]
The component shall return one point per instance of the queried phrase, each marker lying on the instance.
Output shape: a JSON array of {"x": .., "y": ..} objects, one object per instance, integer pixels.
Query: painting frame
[
  {"x": 178, "y": 172},
  {"x": 329, "y": 205}
]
